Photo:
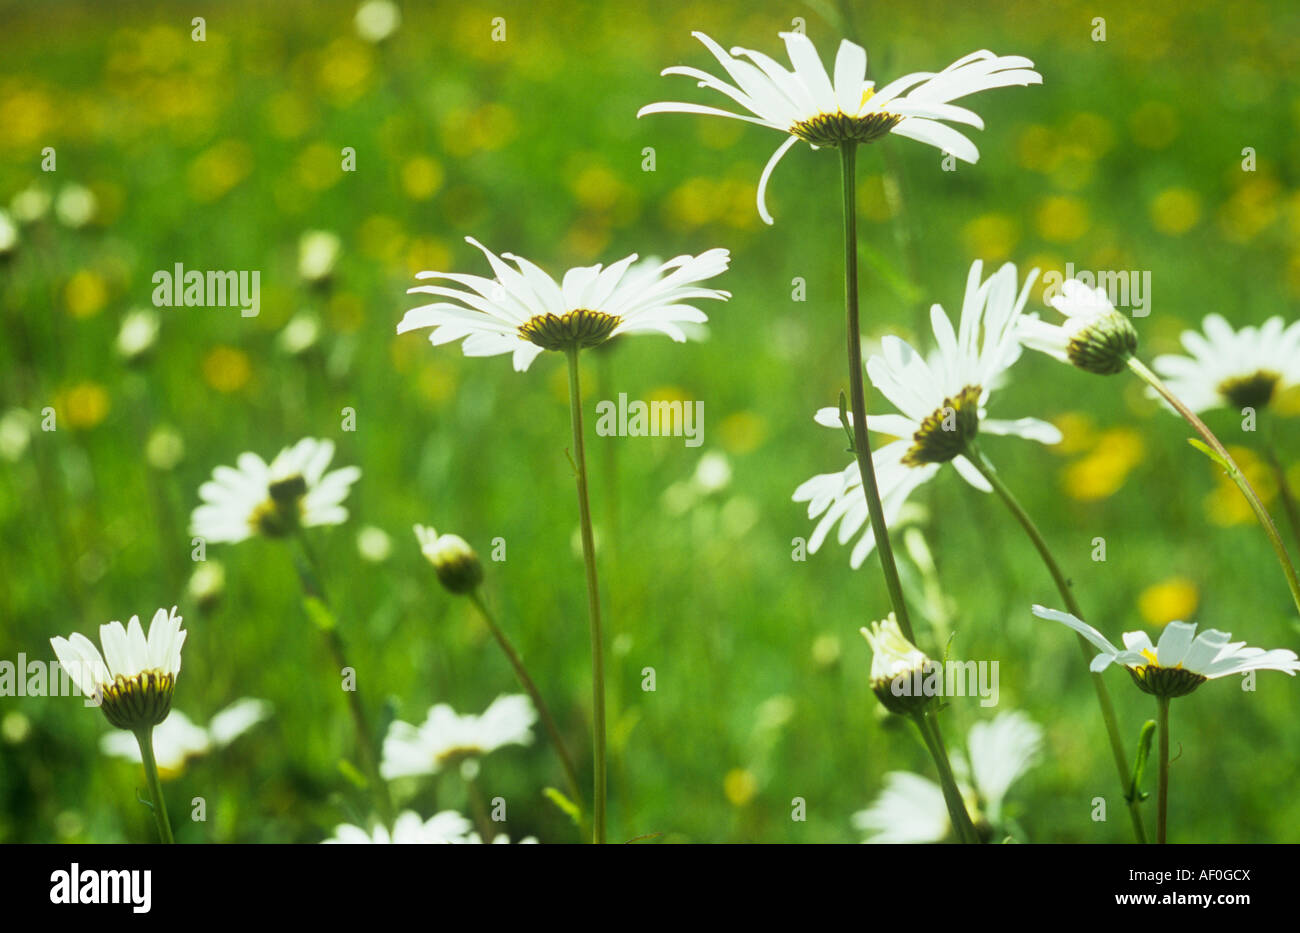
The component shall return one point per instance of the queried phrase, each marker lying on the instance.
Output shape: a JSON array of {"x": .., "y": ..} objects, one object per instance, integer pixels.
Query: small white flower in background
[
  {"x": 713, "y": 472},
  {"x": 165, "y": 448},
  {"x": 134, "y": 679},
  {"x": 374, "y": 545},
  {"x": 911, "y": 808},
  {"x": 179, "y": 739},
  {"x": 138, "y": 334},
  {"x": 499, "y": 839},
  {"x": 1094, "y": 336},
  {"x": 318, "y": 251},
  {"x": 1247, "y": 368},
  {"x": 942, "y": 402},
  {"x": 446, "y": 738},
  {"x": 300, "y": 334},
  {"x": 376, "y": 20},
  {"x": 824, "y": 111},
  {"x": 1182, "y": 661},
  {"x": 75, "y": 206},
  {"x": 30, "y": 204},
  {"x": 456, "y": 563},
  {"x": 207, "y": 584},
  {"x": 524, "y": 311},
  {"x": 447, "y": 827},
  {"x": 8, "y": 234},
  {"x": 15, "y": 433},
  {"x": 292, "y": 491}
]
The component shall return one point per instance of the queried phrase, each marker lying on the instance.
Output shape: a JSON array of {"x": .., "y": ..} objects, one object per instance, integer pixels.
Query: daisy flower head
[
  {"x": 447, "y": 827},
  {"x": 523, "y": 311},
  {"x": 942, "y": 407},
  {"x": 896, "y": 664},
  {"x": 456, "y": 563},
  {"x": 1182, "y": 660},
  {"x": 828, "y": 110},
  {"x": 179, "y": 739},
  {"x": 1245, "y": 368},
  {"x": 293, "y": 491},
  {"x": 1094, "y": 336},
  {"x": 911, "y": 808},
  {"x": 133, "y": 680},
  {"x": 446, "y": 738}
]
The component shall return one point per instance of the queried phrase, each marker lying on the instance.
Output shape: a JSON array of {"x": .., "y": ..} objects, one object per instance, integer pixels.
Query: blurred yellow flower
[
  {"x": 421, "y": 177},
  {"x": 346, "y": 64},
  {"x": 85, "y": 294},
  {"x": 1153, "y": 125},
  {"x": 319, "y": 166},
  {"x": 1062, "y": 219},
  {"x": 226, "y": 369},
  {"x": 1078, "y": 432},
  {"x": 83, "y": 405},
  {"x": 596, "y": 187},
  {"x": 1251, "y": 208},
  {"x": 1174, "y": 211},
  {"x": 1172, "y": 600},
  {"x": 1225, "y": 505},
  {"x": 1037, "y": 148},
  {"x": 991, "y": 237},
  {"x": 742, "y": 432},
  {"x": 740, "y": 787},
  {"x": 27, "y": 115},
  {"x": 427, "y": 253},
  {"x": 1101, "y": 473},
  {"x": 218, "y": 169},
  {"x": 692, "y": 203}
]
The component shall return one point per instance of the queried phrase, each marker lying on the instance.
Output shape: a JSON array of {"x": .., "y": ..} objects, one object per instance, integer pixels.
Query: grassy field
[{"x": 221, "y": 154}]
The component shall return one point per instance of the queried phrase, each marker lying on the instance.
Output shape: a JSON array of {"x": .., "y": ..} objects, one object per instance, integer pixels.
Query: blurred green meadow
[{"x": 221, "y": 154}]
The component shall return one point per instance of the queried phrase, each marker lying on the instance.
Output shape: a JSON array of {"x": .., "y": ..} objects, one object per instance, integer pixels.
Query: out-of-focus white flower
[
  {"x": 374, "y": 545},
  {"x": 207, "y": 584},
  {"x": 318, "y": 251},
  {"x": 165, "y": 448},
  {"x": 75, "y": 206},
  {"x": 30, "y": 204},
  {"x": 1246, "y": 368},
  {"x": 446, "y": 737},
  {"x": 8, "y": 233},
  {"x": 179, "y": 739},
  {"x": 300, "y": 334},
  {"x": 15, "y": 433},
  {"x": 138, "y": 334},
  {"x": 447, "y": 827},
  {"x": 376, "y": 20}
]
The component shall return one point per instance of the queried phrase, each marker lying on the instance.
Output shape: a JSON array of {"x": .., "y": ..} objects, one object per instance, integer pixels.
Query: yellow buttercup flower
[
  {"x": 1163, "y": 602},
  {"x": 227, "y": 369},
  {"x": 83, "y": 405},
  {"x": 740, "y": 787}
]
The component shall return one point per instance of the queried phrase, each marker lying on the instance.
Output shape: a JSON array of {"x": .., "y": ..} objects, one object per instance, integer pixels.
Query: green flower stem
[
  {"x": 593, "y": 601},
  {"x": 543, "y": 711},
  {"x": 961, "y": 821},
  {"x": 1162, "y": 798},
  {"x": 981, "y": 463},
  {"x": 1234, "y": 473},
  {"x": 857, "y": 394},
  {"x": 144, "y": 737},
  {"x": 338, "y": 652}
]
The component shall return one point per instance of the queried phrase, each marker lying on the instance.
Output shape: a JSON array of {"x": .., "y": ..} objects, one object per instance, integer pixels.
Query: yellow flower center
[
  {"x": 573, "y": 330},
  {"x": 833, "y": 129},
  {"x": 945, "y": 433}
]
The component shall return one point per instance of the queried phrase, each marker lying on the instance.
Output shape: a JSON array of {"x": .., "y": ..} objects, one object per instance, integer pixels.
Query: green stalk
[
  {"x": 1234, "y": 473},
  {"x": 961, "y": 821},
  {"x": 144, "y": 738},
  {"x": 981, "y": 463},
  {"x": 858, "y": 397},
  {"x": 1162, "y": 793},
  {"x": 543, "y": 711},
  {"x": 338, "y": 652},
  {"x": 593, "y": 601}
]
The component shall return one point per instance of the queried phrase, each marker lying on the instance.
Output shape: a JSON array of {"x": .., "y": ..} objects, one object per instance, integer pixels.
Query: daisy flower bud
[
  {"x": 897, "y": 666},
  {"x": 134, "y": 679},
  {"x": 1095, "y": 337},
  {"x": 456, "y": 563}
]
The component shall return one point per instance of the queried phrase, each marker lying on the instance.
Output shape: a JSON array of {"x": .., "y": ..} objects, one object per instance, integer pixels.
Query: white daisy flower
[
  {"x": 456, "y": 563},
  {"x": 524, "y": 311},
  {"x": 133, "y": 681},
  {"x": 408, "y": 829},
  {"x": 446, "y": 738},
  {"x": 179, "y": 738},
  {"x": 911, "y": 808},
  {"x": 942, "y": 408},
  {"x": 1094, "y": 336},
  {"x": 895, "y": 662},
  {"x": 1182, "y": 661},
  {"x": 256, "y": 498},
  {"x": 499, "y": 839},
  {"x": 809, "y": 104},
  {"x": 1246, "y": 368}
]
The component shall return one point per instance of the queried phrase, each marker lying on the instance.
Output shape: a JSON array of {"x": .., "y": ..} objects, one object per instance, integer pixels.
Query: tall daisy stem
[
  {"x": 929, "y": 727},
  {"x": 981, "y": 463},
  {"x": 543, "y": 711},
  {"x": 593, "y": 602},
  {"x": 1234, "y": 472},
  {"x": 338, "y": 652},
  {"x": 1162, "y": 793},
  {"x": 144, "y": 738},
  {"x": 858, "y": 396}
]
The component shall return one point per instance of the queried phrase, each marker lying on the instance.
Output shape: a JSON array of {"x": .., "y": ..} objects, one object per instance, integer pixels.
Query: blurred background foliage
[{"x": 221, "y": 154}]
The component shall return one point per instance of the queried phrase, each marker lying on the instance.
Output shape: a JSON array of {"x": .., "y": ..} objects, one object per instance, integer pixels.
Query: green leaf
[
  {"x": 565, "y": 804},
  {"x": 319, "y": 613},
  {"x": 349, "y": 771},
  {"x": 1213, "y": 455},
  {"x": 1140, "y": 763}
]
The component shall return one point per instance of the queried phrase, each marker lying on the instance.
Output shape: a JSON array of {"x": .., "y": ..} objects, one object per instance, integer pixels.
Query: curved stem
[
  {"x": 334, "y": 641},
  {"x": 593, "y": 601},
  {"x": 857, "y": 394},
  {"x": 145, "y": 740},
  {"x": 1162, "y": 794},
  {"x": 543, "y": 711},
  {"x": 1234, "y": 473},
  {"x": 961, "y": 821},
  {"x": 981, "y": 463}
]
